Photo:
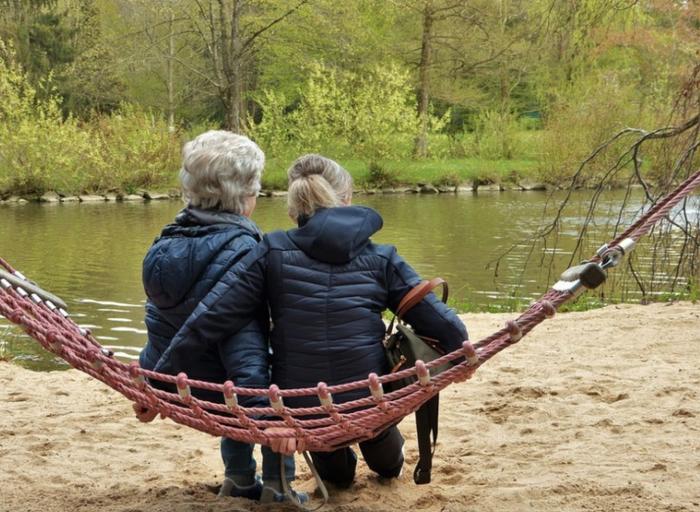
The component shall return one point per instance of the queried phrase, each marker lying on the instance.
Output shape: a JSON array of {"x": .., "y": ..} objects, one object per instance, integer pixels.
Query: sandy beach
[{"x": 594, "y": 411}]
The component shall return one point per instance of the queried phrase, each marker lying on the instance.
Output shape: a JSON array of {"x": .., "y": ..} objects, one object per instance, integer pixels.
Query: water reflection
[{"x": 90, "y": 254}]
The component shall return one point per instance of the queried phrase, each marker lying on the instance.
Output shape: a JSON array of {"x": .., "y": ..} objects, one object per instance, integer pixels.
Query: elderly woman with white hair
[{"x": 220, "y": 180}]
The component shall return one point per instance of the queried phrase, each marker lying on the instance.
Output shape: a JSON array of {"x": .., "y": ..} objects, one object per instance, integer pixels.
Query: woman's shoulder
[
  {"x": 387, "y": 251},
  {"x": 279, "y": 240}
]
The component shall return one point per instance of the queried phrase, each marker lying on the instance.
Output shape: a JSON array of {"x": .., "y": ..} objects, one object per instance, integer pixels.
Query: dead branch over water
[{"x": 646, "y": 162}]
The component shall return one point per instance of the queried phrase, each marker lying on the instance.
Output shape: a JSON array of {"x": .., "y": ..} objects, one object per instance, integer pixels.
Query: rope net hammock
[{"x": 329, "y": 425}]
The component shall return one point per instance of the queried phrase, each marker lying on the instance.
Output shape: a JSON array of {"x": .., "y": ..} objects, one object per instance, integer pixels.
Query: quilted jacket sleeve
[
  {"x": 430, "y": 317},
  {"x": 222, "y": 314},
  {"x": 246, "y": 358}
]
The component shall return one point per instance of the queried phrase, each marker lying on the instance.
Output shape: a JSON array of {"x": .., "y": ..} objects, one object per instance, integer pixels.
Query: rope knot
[
  {"x": 548, "y": 308},
  {"x": 514, "y": 330}
]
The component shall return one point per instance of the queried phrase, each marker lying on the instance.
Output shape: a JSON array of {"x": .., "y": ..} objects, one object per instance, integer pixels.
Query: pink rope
[{"x": 325, "y": 427}]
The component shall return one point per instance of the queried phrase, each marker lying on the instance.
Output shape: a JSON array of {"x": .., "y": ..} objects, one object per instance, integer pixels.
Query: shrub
[
  {"x": 380, "y": 177},
  {"x": 41, "y": 150},
  {"x": 136, "y": 150},
  {"x": 371, "y": 115},
  {"x": 587, "y": 114},
  {"x": 496, "y": 135}
]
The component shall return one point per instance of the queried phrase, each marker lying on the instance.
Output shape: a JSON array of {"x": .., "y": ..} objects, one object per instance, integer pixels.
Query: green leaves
[
  {"x": 362, "y": 113},
  {"x": 41, "y": 150}
]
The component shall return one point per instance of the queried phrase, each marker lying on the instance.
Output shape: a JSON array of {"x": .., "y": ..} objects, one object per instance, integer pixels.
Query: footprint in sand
[
  {"x": 447, "y": 470},
  {"x": 683, "y": 413},
  {"x": 608, "y": 423},
  {"x": 670, "y": 390},
  {"x": 453, "y": 480},
  {"x": 428, "y": 500},
  {"x": 16, "y": 397},
  {"x": 42, "y": 449},
  {"x": 656, "y": 467}
]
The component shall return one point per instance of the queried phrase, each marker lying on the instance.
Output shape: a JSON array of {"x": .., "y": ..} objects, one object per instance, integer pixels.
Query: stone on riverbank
[
  {"x": 132, "y": 198},
  {"x": 279, "y": 193},
  {"x": 447, "y": 189},
  {"x": 427, "y": 188},
  {"x": 465, "y": 189},
  {"x": 489, "y": 187},
  {"x": 92, "y": 199},
  {"x": 70, "y": 199},
  {"x": 532, "y": 185},
  {"x": 156, "y": 196},
  {"x": 50, "y": 197}
]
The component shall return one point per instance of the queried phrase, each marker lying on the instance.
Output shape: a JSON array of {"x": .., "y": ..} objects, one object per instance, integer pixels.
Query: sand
[{"x": 593, "y": 411}]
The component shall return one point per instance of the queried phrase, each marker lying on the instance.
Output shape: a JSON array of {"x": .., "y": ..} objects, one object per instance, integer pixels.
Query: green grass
[{"x": 410, "y": 172}]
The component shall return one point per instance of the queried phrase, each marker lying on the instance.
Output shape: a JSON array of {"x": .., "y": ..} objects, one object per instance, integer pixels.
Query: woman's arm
[
  {"x": 430, "y": 317},
  {"x": 246, "y": 358},
  {"x": 224, "y": 311}
]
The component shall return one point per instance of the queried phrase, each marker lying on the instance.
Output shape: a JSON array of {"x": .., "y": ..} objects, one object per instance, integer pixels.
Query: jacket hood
[
  {"x": 184, "y": 251},
  {"x": 336, "y": 235}
]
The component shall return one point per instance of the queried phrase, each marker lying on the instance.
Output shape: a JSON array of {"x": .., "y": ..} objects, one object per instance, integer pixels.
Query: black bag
[{"x": 403, "y": 348}]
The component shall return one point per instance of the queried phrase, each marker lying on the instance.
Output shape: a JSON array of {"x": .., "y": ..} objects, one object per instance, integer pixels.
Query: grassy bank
[
  {"x": 114, "y": 165},
  {"x": 395, "y": 173}
]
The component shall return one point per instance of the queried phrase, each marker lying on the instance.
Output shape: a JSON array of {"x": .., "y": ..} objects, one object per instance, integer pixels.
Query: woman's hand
[
  {"x": 144, "y": 414},
  {"x": 285, "y": 445}
]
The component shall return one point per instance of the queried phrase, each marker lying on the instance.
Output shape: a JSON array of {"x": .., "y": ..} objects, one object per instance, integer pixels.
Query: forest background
[{"x": 98, "y": 95}]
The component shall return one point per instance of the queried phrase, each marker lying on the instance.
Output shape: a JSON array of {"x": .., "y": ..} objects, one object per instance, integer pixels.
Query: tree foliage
[
  {"x": 371, "y": 114},
  {"x": 371, "y": 79},
  {"x": 41, "y": 149}
]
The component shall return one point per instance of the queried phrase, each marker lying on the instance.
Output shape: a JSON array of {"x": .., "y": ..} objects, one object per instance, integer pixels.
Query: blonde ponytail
[{"x": 316, "y": 182}]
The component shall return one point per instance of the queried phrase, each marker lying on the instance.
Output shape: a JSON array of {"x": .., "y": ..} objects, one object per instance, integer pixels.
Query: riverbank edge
[{"x": 421, "y": 188}]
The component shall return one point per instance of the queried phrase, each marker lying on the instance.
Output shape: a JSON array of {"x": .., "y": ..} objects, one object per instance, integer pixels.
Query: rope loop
[
  {"x": 470, "y": 353},
  {"x": 183, "y": 387},
  {"x": 548, "y": 308},
  {"x": 514, "y": 330},
  {"x": 324, "y": 396},
  {"x": 136, "y": 376}
]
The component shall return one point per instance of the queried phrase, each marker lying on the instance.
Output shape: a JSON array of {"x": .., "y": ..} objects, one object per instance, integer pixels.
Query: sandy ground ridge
[{"x": 594, "y": 411}]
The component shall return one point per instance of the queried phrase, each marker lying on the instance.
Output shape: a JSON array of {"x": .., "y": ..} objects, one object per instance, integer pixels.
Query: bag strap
[
  {"x": 418, "y": 293},
  {"x": 414, "y": 296},
  {"x": 294, "y": 500},
  {"x": 426, "y": 427}
]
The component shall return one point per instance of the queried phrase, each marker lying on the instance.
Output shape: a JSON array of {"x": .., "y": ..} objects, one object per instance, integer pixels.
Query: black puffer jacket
[
  {"x": 180, "y": 268},
  {"x": 327, "y": 285}
]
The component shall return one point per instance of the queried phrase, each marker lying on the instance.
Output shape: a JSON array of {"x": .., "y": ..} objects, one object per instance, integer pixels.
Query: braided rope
[{"x": 325, "y": 427}]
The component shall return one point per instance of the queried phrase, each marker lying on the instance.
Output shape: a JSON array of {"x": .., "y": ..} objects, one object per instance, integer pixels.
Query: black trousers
[{"x": 383, "y": 455}]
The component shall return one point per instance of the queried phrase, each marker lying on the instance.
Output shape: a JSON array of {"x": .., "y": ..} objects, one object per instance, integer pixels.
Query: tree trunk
[
  {"x": 232, "y": 65},
  {"x": 237, "y": 67},
  {"x": 170, "y": 81},
  {"x": 421, "y": 144}
]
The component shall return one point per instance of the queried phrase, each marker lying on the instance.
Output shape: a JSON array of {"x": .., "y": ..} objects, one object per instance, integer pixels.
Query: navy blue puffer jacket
[
  {"x": 327, "y": 285},
  {"x": 180, "y": 268}
]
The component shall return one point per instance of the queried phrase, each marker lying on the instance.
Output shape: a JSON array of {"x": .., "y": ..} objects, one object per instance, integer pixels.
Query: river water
[{"x": 90, "y": 254}]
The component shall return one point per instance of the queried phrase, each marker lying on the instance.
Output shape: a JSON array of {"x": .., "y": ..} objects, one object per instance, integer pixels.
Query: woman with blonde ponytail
[
  {"x": 326, "y": 284},
  {"x": 316, "y": 182}
]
